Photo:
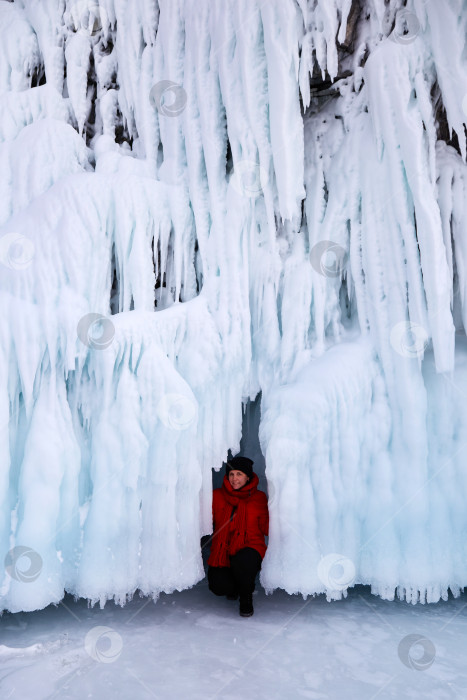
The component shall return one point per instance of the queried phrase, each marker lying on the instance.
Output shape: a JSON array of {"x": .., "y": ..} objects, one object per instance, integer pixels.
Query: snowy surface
[
  {"x": 192, "y": 644},
  {"x": 203, "y": 201}
]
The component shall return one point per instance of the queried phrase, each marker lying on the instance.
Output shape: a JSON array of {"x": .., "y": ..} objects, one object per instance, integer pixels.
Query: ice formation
[{"x": 203, "y": 201}]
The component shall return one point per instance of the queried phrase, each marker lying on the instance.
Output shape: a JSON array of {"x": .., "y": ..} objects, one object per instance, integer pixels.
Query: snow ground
[{"x": 194, "y": 645}]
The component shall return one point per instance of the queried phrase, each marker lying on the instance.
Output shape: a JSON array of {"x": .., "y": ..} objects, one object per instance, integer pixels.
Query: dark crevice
[
  {"x": 106, "y": 49},
  {"x": 198, "y": 268},
  {"x": 115, "y": 291},
  {"x": 228, "y": 160},
  {"x": 122, "y": 134},
  {"x": 38, "y": 77},
  {"x": 160, "y": 155},
  {"x": 441, "y": 120},
  {"x": 165, "y": 288},
  {"x": 160, "y": 280},
  {"x": 249, "y": 444},
  {"x": 90, "y": 123},
  {"x": 344, "y": 302},
  {"x": 355, "y": 13}
]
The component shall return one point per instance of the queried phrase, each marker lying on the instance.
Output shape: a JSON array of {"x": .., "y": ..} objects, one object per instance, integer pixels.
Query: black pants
[{"x": 239, "y": 577}]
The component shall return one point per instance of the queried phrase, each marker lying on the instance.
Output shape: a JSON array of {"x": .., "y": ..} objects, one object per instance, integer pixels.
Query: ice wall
[
  {"x": 346, "y": 504},
  {"x": 200, "y": 201}
]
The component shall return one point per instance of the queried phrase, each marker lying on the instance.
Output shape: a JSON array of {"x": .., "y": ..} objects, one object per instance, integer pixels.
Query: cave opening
[
  {"x": 249, "y": 447},
  {"x": 249, "y": 444}
]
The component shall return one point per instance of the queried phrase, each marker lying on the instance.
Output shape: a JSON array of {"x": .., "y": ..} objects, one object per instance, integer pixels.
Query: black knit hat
[{"x": 242, "y": 464}]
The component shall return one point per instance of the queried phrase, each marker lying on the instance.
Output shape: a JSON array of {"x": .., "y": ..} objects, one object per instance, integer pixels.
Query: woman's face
[{"x": 237, "y": 479}]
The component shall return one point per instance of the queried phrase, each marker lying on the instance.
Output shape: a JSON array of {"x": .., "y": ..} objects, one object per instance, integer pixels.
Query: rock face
[{"x": 200, "y": 202}]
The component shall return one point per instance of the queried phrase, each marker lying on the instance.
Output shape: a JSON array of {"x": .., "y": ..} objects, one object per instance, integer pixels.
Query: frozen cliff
[{"x": 201, "y": 201}]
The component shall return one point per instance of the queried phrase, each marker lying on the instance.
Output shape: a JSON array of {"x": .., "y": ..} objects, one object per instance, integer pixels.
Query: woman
[{"x": 241, "y": 520}]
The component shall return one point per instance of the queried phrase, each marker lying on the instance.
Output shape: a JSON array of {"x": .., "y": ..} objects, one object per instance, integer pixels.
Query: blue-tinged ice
[{"x": 199, "y": 203}]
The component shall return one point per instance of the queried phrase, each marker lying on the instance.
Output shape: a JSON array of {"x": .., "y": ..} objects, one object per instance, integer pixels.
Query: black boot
[{"x": 246, "y": 605}]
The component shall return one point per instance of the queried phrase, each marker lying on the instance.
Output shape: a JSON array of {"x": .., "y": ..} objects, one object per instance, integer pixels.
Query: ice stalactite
[
  {"x": 380, "y": 192},
  {"x": 200, "y": 202}
]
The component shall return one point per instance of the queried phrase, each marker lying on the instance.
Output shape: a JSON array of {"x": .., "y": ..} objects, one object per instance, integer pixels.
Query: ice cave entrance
[{"x": 249, "y": 444}]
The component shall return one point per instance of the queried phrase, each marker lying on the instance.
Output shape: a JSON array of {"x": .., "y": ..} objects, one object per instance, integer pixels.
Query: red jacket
[{"x": 240, "y": 518}]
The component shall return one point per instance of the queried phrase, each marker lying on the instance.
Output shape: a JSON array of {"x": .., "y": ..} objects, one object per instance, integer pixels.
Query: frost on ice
[{"x": 202, "y": 201}]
